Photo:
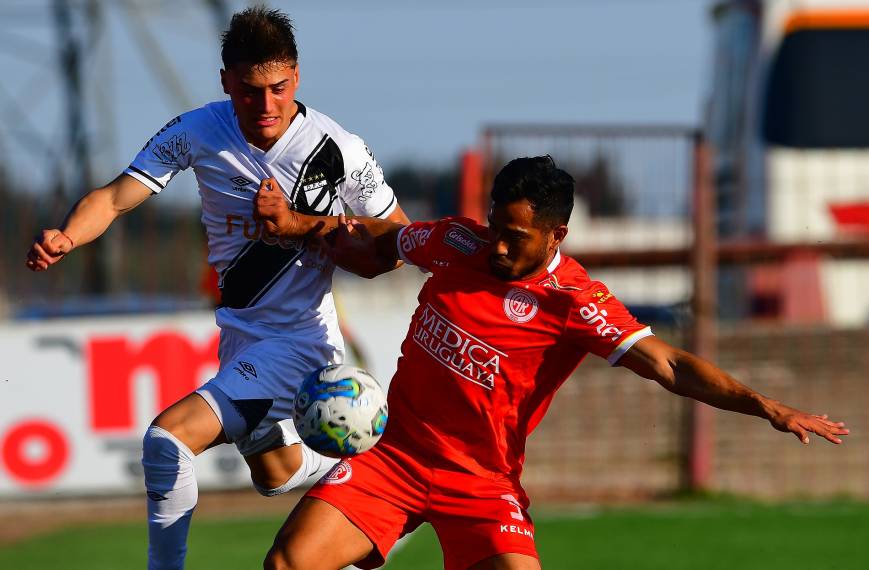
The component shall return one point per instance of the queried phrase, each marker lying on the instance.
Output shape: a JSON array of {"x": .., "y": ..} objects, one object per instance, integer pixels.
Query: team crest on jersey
[
  {"x": 318, "y": 193},
  {"x": 340, "y": 473},
  {"x": 462, "y": 239},
  {"x": 520, "y": 305}
]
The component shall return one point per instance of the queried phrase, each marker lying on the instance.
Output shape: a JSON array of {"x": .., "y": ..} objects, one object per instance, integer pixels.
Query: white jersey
[{"x": 268, "y": 286}]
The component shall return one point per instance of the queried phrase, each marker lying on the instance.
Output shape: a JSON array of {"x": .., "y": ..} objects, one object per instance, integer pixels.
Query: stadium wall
[
  {"x": 611, "y": 435},
  {"x": 76, "y": 395}
]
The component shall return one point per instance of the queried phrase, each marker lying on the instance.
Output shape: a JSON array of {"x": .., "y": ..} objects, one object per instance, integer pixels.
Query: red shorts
[{"x": 387, "y": 494}]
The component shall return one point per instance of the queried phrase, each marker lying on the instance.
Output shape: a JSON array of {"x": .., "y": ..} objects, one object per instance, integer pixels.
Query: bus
[{"x": 788, "y": 121}]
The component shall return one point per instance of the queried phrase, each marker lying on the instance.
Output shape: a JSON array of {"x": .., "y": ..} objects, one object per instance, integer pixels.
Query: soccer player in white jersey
[{"x": 276, "y": 316}]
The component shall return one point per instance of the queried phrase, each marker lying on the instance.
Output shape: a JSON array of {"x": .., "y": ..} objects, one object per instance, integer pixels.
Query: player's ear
[
  {"x": 223, "y": 81},
  {"x": 296, "y": 74},
  {"x": 558, "y": 235}
]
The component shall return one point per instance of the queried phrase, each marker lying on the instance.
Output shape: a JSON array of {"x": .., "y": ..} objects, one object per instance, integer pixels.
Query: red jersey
[{"x": 484, "y": 357}]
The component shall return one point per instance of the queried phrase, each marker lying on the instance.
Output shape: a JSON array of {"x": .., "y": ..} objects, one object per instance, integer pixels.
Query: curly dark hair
[
  {"x": 547, "y": 188},
  {"x": 259, "y": 36}
]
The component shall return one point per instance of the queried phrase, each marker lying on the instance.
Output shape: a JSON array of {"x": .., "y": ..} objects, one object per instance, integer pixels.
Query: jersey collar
[
  {"x": 542, "y": 278},
  {"x": 556, "y": 259},
  {"x": 281, "y": 144}
]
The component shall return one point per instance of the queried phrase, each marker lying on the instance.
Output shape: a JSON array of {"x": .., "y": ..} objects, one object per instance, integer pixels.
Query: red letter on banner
[
  {"x": 30, "y": 470},
  {"x": 114, "y": 361}
]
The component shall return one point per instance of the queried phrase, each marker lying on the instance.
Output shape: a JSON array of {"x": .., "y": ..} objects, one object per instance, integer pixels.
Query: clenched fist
[
  {"x": 48, "y": 248},
  {"x": 272, "y": 209}
]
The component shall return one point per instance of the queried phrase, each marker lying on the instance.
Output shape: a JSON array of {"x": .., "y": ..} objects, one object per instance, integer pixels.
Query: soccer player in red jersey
[{"x": 503, "y": 320}]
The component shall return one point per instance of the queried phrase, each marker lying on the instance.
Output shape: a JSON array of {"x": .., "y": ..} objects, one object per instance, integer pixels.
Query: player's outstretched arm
[
  {"x": 365, "y": 246},
  {"x": 688, "y": 375},
  {"x": 86, "y": 221}
]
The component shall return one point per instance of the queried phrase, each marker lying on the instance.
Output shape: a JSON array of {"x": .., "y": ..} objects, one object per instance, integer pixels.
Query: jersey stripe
[
  {"x": 148, "y": 176},
  {"x": 386, "y": 209},
  {"x": 626, "y": 344},
  {"x": 254, "y": 272}
]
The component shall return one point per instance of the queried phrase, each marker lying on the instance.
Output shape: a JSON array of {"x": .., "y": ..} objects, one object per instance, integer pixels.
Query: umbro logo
[
  {"x": 248, "y": 367},
  {"x": 245, "y": 370},
  {"x": 239, "y": 183},
  {"x": 156, "y": 497}
]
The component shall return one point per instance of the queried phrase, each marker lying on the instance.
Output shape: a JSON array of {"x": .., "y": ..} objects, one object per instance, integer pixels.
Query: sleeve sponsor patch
[
  {"x": 166, "y": 127},
  {"x": 462, "y": 239},
  {"x": 414, "y": 237},
  {"x": 170, "y": 151},
  {"x": 367, "y": 182}
]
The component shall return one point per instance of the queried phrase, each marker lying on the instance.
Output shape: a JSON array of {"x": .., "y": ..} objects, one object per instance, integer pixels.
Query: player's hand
[
  {"x": 800, "y": 424},
  {"x": 272, "y": 209},
  {"x": 48, "y": 248},
  {"x": 351, "y": 246}
]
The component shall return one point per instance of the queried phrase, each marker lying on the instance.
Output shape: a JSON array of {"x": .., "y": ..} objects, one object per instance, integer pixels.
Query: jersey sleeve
[
  {"x": 599, "y": 323},
  {"x": 435, "y": 245},
  {"x": 164, "y": 155},
  {"x": 415, "y": 246},
  {"x": 364, "y": 189}
]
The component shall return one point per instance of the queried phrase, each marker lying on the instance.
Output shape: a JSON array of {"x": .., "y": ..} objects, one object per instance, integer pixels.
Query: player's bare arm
[
  {"x": 271, "y": 207},
  {"x": 688, "y": 375},
  {"x": 364, "y": 246},
  {"x": 86, "y": 221}
]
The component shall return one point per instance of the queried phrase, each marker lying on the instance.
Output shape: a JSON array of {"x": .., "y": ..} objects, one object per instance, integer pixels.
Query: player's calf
[{"x": 172, "y": 495}]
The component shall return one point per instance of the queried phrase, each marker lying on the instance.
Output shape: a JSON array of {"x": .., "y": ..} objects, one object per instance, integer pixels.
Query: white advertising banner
[{"x": 76, "y": 396}]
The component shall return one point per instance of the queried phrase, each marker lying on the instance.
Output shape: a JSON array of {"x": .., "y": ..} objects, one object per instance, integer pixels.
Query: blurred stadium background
[{"x": 743, "y": 236}]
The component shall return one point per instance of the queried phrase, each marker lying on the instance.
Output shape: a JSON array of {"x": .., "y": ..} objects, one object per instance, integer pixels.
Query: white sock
[
  {"x": 172, "y": 496},
  {"x": 312, "y": 464}
]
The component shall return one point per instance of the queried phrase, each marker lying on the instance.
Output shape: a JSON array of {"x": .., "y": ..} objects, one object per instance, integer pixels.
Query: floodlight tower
[
  {"x": 79, "y": 27},
  {"x": 71, "y": 52}
]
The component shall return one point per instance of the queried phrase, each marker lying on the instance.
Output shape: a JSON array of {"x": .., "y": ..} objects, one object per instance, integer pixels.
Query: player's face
[
  {"x": 521, "y": 247},
  {"x": 263, "y": 97}
]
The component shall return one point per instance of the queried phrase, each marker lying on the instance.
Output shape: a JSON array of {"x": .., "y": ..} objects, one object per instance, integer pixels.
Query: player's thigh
[
  {"x": 482, "y": 520},
  {"x": 317, "y": 536},
  {"x": 254, "y": 391},
  {"x": 192, "y": 421},
  {"x": 509, "y": 561},
  {"x": 274, "y": 467}
]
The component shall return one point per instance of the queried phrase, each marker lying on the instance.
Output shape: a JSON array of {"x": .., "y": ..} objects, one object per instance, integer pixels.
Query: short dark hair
[
  {"x": 547, "y": 188},
  {"x": 258, "y": 36}
]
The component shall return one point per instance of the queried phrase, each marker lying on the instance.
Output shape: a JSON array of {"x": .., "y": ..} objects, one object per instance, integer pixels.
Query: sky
[{"x": 417, "y": 80}]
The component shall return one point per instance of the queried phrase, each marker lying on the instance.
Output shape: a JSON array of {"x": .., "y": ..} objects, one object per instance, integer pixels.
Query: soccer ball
[{"x": 340, "y": 411}]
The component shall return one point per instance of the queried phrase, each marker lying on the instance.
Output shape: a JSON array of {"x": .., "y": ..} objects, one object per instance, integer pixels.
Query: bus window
[{"x": 818, "y": 90}]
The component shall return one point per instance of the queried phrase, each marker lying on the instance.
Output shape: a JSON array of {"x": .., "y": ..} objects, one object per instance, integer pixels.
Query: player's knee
[
  {"x": 272, "y": 486},
  {"x": 280, "y": 471},
  {"x": 160, "y": 447}
]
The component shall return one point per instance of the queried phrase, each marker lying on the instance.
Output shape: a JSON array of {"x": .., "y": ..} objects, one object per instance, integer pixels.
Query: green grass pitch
[{"x": 690, "y": 535}]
